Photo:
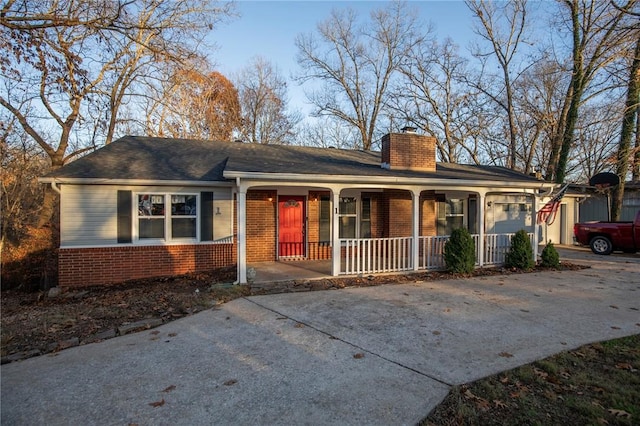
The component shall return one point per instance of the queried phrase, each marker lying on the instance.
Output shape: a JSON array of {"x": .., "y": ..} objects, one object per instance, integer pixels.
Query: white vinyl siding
[
  {"x": 88, "y": 213},
  {"x": 222, "y": 215}
]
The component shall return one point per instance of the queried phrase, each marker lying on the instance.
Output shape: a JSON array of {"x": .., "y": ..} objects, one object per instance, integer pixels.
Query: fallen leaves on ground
[
  {"x": 595, "y": 384},
  {"x": 34, "y": 324},
  {"x": 157, "y": 403}
]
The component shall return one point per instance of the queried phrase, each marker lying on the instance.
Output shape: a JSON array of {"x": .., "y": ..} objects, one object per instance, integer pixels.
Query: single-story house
[{"x": 143, "y": 207}]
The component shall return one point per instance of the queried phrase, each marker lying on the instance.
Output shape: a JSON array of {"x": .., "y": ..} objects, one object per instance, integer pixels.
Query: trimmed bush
[
  {"x": 520, "y": 254},
  {"x": 460, "y": 252},
  {"x": 550, "y": 257}
]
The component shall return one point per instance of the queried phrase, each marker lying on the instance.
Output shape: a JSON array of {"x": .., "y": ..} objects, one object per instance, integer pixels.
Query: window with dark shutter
[
  {"x": 124, "y": 216},
  {"x": 206, "y": 219}
]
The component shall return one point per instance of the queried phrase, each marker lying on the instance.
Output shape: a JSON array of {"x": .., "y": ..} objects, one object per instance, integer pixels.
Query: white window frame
[
  {"x": 464, "y": 214},
  {"x": 357, "y": 215},
  {"x": 168, "y": 237},
  {"x": 349, "y": 215}
]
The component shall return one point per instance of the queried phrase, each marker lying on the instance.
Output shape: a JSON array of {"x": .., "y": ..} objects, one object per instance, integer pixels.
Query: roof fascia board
[
  {"x": 145, "y": 182},
  {"x": 353, "y": 180}
]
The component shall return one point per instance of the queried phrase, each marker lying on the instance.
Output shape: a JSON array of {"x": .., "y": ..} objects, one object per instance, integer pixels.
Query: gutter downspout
[{"x": 55, "y": 186}]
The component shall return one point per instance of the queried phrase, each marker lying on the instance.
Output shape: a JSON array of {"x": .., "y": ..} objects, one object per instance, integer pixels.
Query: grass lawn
[{"x": 597, "y": 384}]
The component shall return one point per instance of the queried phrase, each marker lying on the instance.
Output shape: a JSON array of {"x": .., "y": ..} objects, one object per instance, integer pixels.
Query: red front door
[{"x": 291, "y": 215}]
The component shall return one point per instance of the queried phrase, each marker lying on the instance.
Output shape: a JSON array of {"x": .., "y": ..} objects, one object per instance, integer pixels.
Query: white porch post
[
  {"x": 335, "y": 233},
  {"x": 536, "y": 227},
  {"x": 242, "y": 234},
  {"x": 481, "y": 228},
  {"x": 415, "y": 193}
]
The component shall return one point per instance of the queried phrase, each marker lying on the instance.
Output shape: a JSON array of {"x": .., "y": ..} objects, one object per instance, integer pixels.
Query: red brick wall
[
  {"x": 399, "y": 213},
  {"x": 409, "y": 151},
  {"x": 82, "y": 267},
  {"x": 394, "y": 214},
  {"x": 428, "y": 214},
  {"x": 262, "y": 234}
]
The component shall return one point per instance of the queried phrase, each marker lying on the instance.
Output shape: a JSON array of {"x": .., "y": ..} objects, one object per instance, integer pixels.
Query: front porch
[
  {"x": 380, "y": 255},
  {"x": 365, "y": 230}
]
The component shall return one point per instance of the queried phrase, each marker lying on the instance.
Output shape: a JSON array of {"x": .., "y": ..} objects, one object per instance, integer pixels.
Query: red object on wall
[{"x": 291, "y": 219}]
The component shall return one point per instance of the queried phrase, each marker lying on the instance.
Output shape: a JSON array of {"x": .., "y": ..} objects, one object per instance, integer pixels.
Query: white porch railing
[
  {"x": 431, "y": 249},
  {"x": 375, "y": 255},
  {"x": 496, "y": 247}
]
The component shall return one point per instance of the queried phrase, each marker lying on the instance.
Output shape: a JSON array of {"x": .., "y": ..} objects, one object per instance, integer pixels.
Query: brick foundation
[{"x": 83, "y": 267}]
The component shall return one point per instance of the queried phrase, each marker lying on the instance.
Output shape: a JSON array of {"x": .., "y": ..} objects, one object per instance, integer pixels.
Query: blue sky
[{"x": 269, "y": 28}]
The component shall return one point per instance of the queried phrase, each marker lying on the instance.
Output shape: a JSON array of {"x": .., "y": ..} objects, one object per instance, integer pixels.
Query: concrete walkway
[{"x": 380, "y": 355}]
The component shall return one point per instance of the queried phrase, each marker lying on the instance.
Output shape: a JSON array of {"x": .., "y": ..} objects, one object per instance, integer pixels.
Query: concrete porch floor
[{"x": 291, "y": 270}]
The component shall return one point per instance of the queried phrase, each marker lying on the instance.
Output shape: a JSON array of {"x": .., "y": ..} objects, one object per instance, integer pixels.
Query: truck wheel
[{"x": 601, "y": 245}]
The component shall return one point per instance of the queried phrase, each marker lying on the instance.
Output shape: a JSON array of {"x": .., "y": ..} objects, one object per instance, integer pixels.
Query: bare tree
[
  {"x": 434, "y": 97},
  {"x": 625, "y": 155},
  {"x": 197, "y": 105},
  {"x": 635, "y": 172},
  {"x": 597, "y": 39},
  {"x": 328, "y": 132},
  {"x": 65, "y": 56},
  {"x": 355, "y": 62},
  {"x": 503, "y": 26},
  {"x": 20, "y": 194},
  {"x": 263, "y": 98},
  {"x": 597, "y": 132},
  {"x": 539, "y": 96}
]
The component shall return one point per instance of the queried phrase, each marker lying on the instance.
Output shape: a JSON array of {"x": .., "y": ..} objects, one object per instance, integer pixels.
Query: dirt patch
[{"x": 34, "y": 323}]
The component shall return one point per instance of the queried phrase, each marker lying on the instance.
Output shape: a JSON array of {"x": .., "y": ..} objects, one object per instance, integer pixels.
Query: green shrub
[
  {"x": 460, "y": 252},
  {"x": 520, "y": 254},
  {"x": 550, "y": 257}
]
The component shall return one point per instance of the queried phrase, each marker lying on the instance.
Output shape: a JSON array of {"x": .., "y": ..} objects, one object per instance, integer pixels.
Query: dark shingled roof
[{"x": 146, "y": 158}]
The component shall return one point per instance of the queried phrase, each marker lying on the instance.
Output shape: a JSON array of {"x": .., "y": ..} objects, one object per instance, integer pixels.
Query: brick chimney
[{"x": 409, "y": 151}]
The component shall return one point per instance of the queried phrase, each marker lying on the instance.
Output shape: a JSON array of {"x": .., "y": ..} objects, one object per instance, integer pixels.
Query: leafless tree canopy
[
  {"x": 77, "y": 73},
  {"x": 73, "y": 64},
  {"x": 263, "y": 97},
  {"x": 195, "y": 104},
  {"x": 353, "y": 62}
]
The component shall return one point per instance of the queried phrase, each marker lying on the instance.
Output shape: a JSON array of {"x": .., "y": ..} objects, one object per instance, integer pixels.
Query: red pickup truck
[{"x": 605, "y": 237}]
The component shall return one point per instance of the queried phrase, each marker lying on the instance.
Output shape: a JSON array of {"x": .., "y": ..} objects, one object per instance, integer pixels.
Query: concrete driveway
[{"x": 380, "y": 355}]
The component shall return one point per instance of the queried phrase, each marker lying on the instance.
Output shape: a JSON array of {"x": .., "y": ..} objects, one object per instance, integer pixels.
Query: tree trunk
[
  {"x": 50, "y": 200},
  {"x": 626, "y": 134},
  {"x": 556, "y": 141},
  {"x": 48, "y": 209},
  {"x": 577, "y": 88},
  {"x": 635, "y": 175}
]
